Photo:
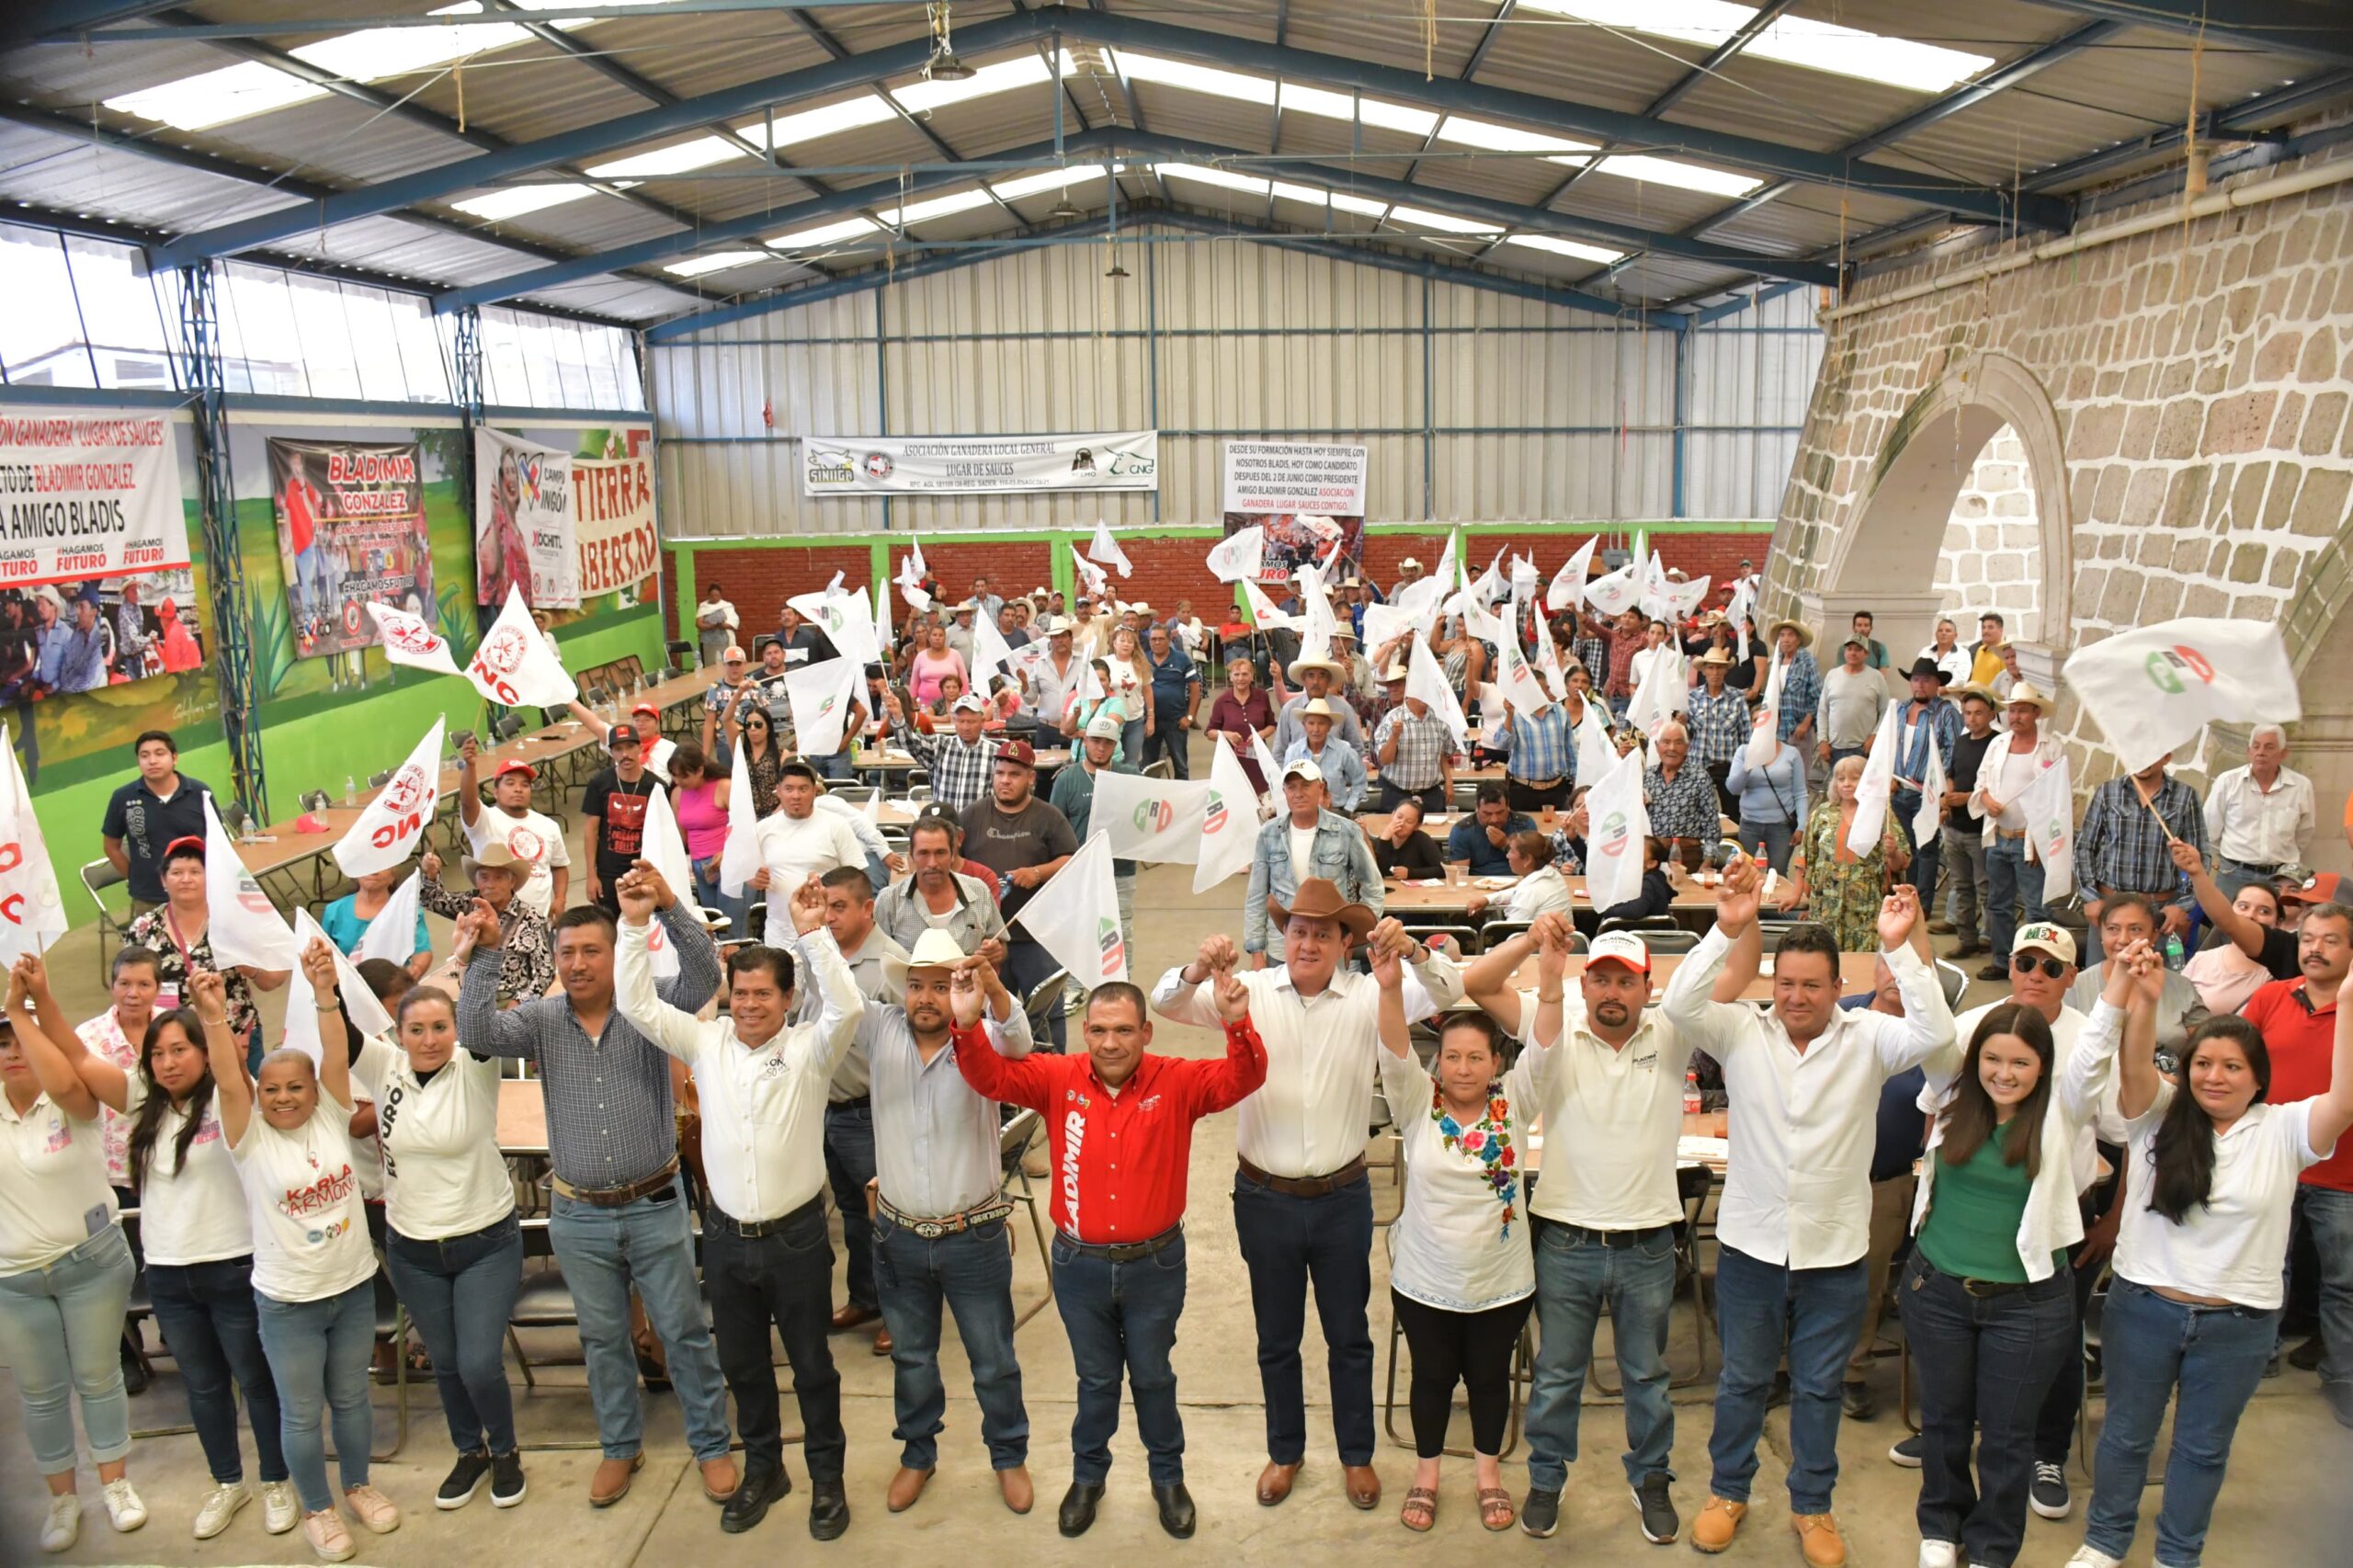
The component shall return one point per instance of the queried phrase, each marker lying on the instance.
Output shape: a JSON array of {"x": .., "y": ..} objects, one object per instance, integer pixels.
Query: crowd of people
[{"x": 856, "y": 1037}]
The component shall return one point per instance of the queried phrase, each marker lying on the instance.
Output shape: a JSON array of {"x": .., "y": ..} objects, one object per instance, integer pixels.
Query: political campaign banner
[
  {"x": 88, "y": 493},
  {"x": 350, "y": 519},
  {"x": 523, "y": 523},
  {"x": 1290, "y": 539},
  {"x": 969, "y": 465},
  {"x": 612, "y": 513},
  {"x": 1294, "y": 476}
]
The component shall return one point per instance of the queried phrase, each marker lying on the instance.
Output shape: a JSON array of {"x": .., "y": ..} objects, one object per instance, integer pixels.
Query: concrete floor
[{"x": 2283, "y": 1504}]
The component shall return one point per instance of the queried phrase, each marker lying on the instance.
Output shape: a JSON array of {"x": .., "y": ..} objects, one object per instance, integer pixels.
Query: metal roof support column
[
  {"x": 1429, "y": 414},
  {"x": 1682, "y": 417},
  {"x": 466, "y": 380}
]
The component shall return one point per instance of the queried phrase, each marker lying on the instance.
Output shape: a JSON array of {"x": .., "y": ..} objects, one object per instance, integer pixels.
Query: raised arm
[
  {"x": 670, "y": 1029},
  {"x": 486, "y": 1030},
  {"x": 1389, "y": 974},
  {"x": 2241, "y": 932},
  {"x": 335, "y": 1065},
  {"x": 2332, "y": 1112},
  {"x": 1220, "y": 1084},
  {"x": 1488, "y": 983},
  {"x": 29, "y": 989},
  {"x": 2091, "y": 1070},
  {"x": 821, "y": 1047},
  {"x": 1179, "y": 997},
  {"x": 1925, "y": 1028},
  {"x": 233, "y": 1092},
  {"x": 2138, "y": 1083}
]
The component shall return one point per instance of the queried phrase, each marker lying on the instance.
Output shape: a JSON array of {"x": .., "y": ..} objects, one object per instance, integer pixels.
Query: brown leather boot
[
  {"x": 905, "y": 1487},
  {"x": 1015, "y": 1485},
  {"x": 1274, "y": 1483},
  {"x": 610, "y": 1483}
]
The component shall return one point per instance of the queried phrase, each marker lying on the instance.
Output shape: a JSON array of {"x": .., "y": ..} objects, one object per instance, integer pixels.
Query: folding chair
[
  {"x": 509, "y": 727},
  {"x": 1043, "y": 998},
  {"x": 544, "y": 1302},
  {"x": 97, "y": 876},
  {"x": 1953, "y": 981},
  {"x": 1162, "y": 768},
  {"x": 1012, "y": 1142},
  {"x": 682, "y": 655},
  {"x": 1523, "y": 1360}
]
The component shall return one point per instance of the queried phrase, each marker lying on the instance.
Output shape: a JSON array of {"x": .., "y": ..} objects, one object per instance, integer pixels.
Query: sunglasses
[{"x": 2023, "y": 964}]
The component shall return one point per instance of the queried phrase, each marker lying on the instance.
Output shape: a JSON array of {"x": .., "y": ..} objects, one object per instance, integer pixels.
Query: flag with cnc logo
[
  {"x": 391, "y": 826},
  {"x": 1152, "y": 819},
  {"x": 408, "y": 639},
  {"x": 1076, "y": 916},
  {"x": 514, "y": 667},
  {"x": 2153, "y": 688}
]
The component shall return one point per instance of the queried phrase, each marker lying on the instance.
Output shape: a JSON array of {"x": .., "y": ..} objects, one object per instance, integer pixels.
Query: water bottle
[
  {"x": 1692, "y": 1104},
  {"x": 2173, "y": 951},
  {"x": 350, "y": 790}
]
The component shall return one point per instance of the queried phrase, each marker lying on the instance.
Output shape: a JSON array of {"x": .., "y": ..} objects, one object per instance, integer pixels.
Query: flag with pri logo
[
  {"x": 515, "y": 667},
  {"x": 1426, "y": 683},
  {"x": 1076, "y": 916},
  {"x": 244, "y": 926},
  {"x": 1093, "y": 578},
  {"x": 1153, "y": 820},
  {"x": 739, "y": 860},
  {"x": 1229, "y": 821},
  {"x": 844, "y": 618},
  {"x": 2049, "y": 804},
  {"x": 1616, "y": 593},
  {"x": 367, "y": 1014},
  {"x": 1616, "y": 823},
  {"x": 820, "y": 696},
  {"x": 392, "y": 825},
  {"x": 2152, "y": 690},
  {"x": 1877, "y": 786},
  {"x": 32, "y": 911},
  {"x": 407, "y": 640}
]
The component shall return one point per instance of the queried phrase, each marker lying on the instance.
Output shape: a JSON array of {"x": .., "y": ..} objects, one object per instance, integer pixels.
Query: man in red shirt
[
  {"x": 2298, "y": 1018},
  {"x": 1120, "y": 1125}
]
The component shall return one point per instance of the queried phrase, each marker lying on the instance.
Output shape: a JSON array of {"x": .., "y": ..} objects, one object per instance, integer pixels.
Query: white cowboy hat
[
  {"x": 1326, "y": 665},
  {"x": 934, "y": 949}
]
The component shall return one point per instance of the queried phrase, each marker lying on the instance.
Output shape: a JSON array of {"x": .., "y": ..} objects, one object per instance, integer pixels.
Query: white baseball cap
[
  {"x": 1103, "y": 727},
  {"x": 1622, "y": 946},
  {"x": 2051, "y": 938},
  {"x": 968, "y": 703},
  {"x": 1303, "y": 767}
]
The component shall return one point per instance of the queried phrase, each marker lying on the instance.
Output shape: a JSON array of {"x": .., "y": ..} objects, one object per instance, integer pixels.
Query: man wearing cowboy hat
[
  {"x": 1718, "y": 720},
  {"x": 959, "y": 631},
  {"x": 2013, "y": 879},
  {"x": 1316, "y": 678},
  {"x": 2121, "y": 848},
  {"x": 1306, "y": 842},
  {"x": 1414, "y": 747},
  {"x": 1801, "y": 682},
  {"x": 1409, "y": 571},
  {"x": 496, "y": 876},
  {"x": 1302, "y": 1204},
  {"x": 1343, "y": 769},
  {"x": 1926, "y": 721}
]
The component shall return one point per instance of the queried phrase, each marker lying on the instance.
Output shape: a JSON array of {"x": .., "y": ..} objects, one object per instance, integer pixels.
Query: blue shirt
[
  {"x": 1539, "y": 745},
  {"x": 1344, "y": 772},
  {"x": 1775, "y": 792},
  {"x": 1468, "y": 841},
  {"x": 344, "y": 929},
  {"x": 1171, "y": 680},
  {"x": 1800, "y": 690}
]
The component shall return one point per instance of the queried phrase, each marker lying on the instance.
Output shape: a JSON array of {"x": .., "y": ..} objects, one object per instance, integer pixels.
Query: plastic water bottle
[
  {"x": 1692, "y": 1104},
  {"x": 2173, "y": 951},
  {"x": 350, "y": 790}
]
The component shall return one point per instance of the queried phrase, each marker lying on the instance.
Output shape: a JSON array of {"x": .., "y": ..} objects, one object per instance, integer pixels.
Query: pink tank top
[{"x": 701, "y": 819}]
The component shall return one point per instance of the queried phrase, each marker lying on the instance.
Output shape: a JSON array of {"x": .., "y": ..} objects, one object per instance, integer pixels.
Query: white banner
[
  {"x": 1877, "y": 786},
  {"x": 88, "y": 493},
  {"x": 1426, "y": 683},
  {"x": 392, "y": 825},
  {"x": 1294, "y": 476},
  {"x": 968, "y": 465},
  {"x": 2152, "y": 690},
  {"x": 523, "y": 530},
  {"x": 843, "y": 617},
  {"x": 1156, "y": 820},
  {"x": 612, "y": 515}
]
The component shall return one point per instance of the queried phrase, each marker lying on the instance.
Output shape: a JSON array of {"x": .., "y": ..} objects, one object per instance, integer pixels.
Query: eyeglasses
[{"x": 2023, "y": 964}]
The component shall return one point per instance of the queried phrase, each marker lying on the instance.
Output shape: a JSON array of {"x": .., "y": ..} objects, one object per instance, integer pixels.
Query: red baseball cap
[
  {"x": 2321, "y": 887},
  {"x": 646, "y": 708},
  {"x": 516, "y": 764},
  {"x": 1017, "y": 752}
]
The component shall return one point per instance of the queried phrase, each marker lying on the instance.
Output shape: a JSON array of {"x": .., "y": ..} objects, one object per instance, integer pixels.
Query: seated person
[
  {"x": 1541, "y": 890},
  {"x": 1481, "y": 840},
  {"x": 1657, "y": 897},
  {"x": 1405, "y": 851}
]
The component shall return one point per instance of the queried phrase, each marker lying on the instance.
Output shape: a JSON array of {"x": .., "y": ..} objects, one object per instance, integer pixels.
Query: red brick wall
[
  {"x": 757, "y": 580},
  {"x": 1012, "y": 568}
]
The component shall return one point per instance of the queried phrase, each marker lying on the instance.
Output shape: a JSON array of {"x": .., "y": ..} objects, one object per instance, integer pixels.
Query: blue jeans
[
  {"x": 1286, "y": 1243},
  {"x": 2150, "y": 1346},
  {"x": 972, "y": 1272},
  {"x": 460, "y": 1291},
  {"x": 2011, "y": 881},
  {"x": 1170, "y": 738},
  {"x": 1132, "y": 745},
  {"x": 2327, "y": 1214},
  {"x": 60, "y": 1333},
  {"x": 319, "y": 1353},
  {"x": 213, "y": 1330},
  {"x": 849, "y": 1165},
  {"x": 1776, "y": 836},
  {"x": 602, "y": 1252},
  {"x": 1123, "y": 1317},
  {"x": 1576, "y": 1276},
  {"x": 835, "y": 767},
  {"x": 1762, "y": 1311},
  {"x": 1984, "y": 1364}
]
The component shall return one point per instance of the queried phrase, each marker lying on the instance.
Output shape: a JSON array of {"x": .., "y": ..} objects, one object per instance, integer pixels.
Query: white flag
[
  {"x": 1877, "y": 785},
  {"x": 845, "y": 621},
  {"x": 914, "y": 560},
  {"x": 1687, "y": 597},
  {"x": 1491, "y": 715},
  {"x": 1426, "y": 683},
  {"x": 514, "y": 667},
  {"x": 1155, "y": 820},
  {"x": 1654, "y": 601},
  {"x": 1547, "y": 662},
  {"x": 1236, "y": 557},
  {"x": 2152, "y": 690},
  {"x": 910, "y": 581},
  {"x": 1490, "y": 585},
  {"x": 1929, "y": 819},
  {"x": 1739, "y": 613},
  {"x": 1616, "y": 823},
  {"x": 820, "y": 696},
  {"x": 32, "y": 910},
  {"x": 243, "y": 926},
  {"x": 1076, "y": 916},
  {"x": 1567, "y": 591},
  {"x": 1263, "y": 613},
  {"x": 1664, "y": 688},
  {"x": 393, "y": 934},
  {"x": 665, "y": 847},
  {"x": 1386, "y": 623},
  {"x": 367, "y": 1014},
  {"x": 882, "y": 629},
  {"x": 408, "y": 639},
  {"x": 391, "y": 826},
  {"x": 1616, "y": 593},
  {"x": 1321, "y": 624},
  {"x": 991, "y": 656},
  {"x": 1516, "y": 678},
  {"x": 1106, "y": 549},
  {"x": 872, "y": 811},
  {"x": 1229, "y": 821},
  {"x": 1595, "y": 754},
  {"x": 1269, "y": 768},
  {"x": 739, "y": 860},
  {"x": 1766, "y": 732},
  {"x": 1096, "y": 580},
  {"x": 2050, "y": 806}
]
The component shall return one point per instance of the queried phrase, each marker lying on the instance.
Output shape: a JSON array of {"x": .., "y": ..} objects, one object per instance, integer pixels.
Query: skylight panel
[
  {"x": 938, "y": 207},
  {"x": 718, "y": 261},
  {"x": 1363, "y": 206},
  {"x": 1421, "y": 218},
  {"x": 1046, "y": 180},
  {"x": 1793, "y": 40},
  {"x": 216, "y": 97},
  {"x": 1199, "y": 78},
  {"x": 681, "y": 159},
  {"x": 1306, "y": 193},
  {"x": 377, "y": 53},
  {"x": 821, "y": 235},
  {"x": 1567, "y": 248},
  {"x": 1225, "y": 179},
  {"x": 1465, "y": 131},
  {"x": 515, "y": 200},
  {"x": 1021, "y": 71},
  {"x": 827, "y": 119},
  {"x": 1304, "y": 99},
  {"x": 1672, "y": 171}
]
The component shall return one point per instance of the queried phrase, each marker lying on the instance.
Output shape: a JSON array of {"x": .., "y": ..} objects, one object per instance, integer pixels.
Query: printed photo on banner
[
  {"x": 351, "y": 528},
  {"x": 523, "y": 530},
  {"x": 1300, "y": 538}
]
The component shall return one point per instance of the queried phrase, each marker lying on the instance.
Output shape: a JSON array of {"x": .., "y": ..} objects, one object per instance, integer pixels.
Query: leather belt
[
  {"x": 1536, "y": 783},
  {"x": 616, "y": 1197},
  {"x": 716, "y": 1222},
  {"x": 1305, "y": 1187},
  {"x": 1980, "y": 1288},
  {"x": 1614, "y": 1238},
  {"x": 856, "y": 1102},
  {"x": 2005, "y": 832},
  {"x": 951, "y": 1225},
  {"x": 1125, "y": 1252}
]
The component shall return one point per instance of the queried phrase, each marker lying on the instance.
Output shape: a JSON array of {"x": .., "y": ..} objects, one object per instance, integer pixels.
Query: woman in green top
[{"x": 1987, "y": 1298}]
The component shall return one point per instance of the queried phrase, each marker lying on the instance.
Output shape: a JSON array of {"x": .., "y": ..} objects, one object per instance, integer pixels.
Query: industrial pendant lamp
[{"x": 943, "y": 65}]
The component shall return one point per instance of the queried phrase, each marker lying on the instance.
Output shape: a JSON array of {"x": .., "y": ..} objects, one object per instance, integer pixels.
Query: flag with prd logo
[
  {"x": 2152, "y": 690},
  {"x": 1151, "y": 819}
]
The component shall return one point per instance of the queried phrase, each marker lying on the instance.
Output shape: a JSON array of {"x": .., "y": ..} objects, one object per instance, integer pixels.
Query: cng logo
[
  {"x": 2166, "y": 665},
  {"x": 1154, "y": 816}
]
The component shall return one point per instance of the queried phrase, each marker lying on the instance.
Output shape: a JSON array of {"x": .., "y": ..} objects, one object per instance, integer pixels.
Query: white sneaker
[
  {"x": 221, "y": 1505},
  {"x": 2093, "y": 1557},
  {"x": 62, "y": 1528},
  {"x": 1938, "y": 1554},
  {"x": 282, "y": 1508},
  {"x": 124, "y": 1510}
]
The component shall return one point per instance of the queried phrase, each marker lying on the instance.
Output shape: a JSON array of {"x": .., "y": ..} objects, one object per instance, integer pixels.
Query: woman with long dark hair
[
  {"x": 749, "y": 726},
  {"x": 2193, "y": 1313},
  {"x": 1988, "y": 1299}
]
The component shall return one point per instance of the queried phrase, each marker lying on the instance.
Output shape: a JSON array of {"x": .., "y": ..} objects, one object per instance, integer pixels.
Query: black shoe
[
  {"x": 507, "y": 1485},
  {"x": 1078, "y": 1506},
  {"x": 2306, "y": 1356},
  {"x": 828, "y": 1510},
  {"x": 135, "y": 1376},
  {"x": 761, "y": 1486},
  {"x": 1855, "y": 1400},
  {"x": 1659, "y": 1524},
  {"x": 1910, "y": 1452},
  {"x": 1175, "y": 1509},
  {"x": 2047, "y": 1494},
  {"x": 1998, "y": 969},
  {"x": 1540, "y": 1513},
  {"x": 465, "y": 1479}
]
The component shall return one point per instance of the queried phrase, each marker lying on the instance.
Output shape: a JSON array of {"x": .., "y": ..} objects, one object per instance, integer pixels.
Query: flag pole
[{"x": 2162, "y": 826}]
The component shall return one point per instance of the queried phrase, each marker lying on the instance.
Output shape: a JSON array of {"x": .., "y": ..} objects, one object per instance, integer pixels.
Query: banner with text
[
  {"x": 523, "y": 534},
  {"x": 88, "y": 495},
  {"x": 612, "y": 513},
  {"x": 964, "y": 465},
  {"x": 351, "y": 529},
  {"x": 1294, "y": 476}
]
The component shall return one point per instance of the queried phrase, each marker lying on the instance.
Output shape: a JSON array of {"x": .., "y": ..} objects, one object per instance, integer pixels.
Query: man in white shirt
[
  {"x": 1302, "y": 1204},
  {"x": 1794, "y": 1223},
  {"x": 2013, "y": 881},
  {"x": 2260, "y": 816},
  {"x": 797, "y": 842},
  {"x": 1608, "y": 1073},
  {"x": 1053, "y": 680},
  {"x": 532, "y": 837},
  {"x": 762, "y": 1089},
  {"x": 716, "y": 623}
]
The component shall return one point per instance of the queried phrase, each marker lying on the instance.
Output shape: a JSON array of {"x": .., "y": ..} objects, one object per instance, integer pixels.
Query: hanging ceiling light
[
  {"x": 1111, "y": 247},
  {"x": 943, "y": 65},
  {"x": 1065, "y": 210}
]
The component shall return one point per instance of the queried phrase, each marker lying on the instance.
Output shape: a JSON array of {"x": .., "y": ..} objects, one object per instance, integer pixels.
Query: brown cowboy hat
[{"x": 1319, "y": 899}]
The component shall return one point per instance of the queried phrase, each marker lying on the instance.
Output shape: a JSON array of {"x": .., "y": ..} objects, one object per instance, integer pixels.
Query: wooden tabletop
[
  {"x": 1400, "y": 898},
  {"x": 1855, "y": 974}
]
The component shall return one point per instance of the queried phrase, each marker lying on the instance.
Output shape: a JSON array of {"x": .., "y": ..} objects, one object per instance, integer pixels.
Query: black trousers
[
  {"x": 1727, "y": 803},
  {"x": 1472, "y": 1348},
  {"x": 785, "y": 1278},
  {"x": 1287, "y": 1245},
  {"x": 1432, "y": 798},
  {"x": 1528, "y": 798}
]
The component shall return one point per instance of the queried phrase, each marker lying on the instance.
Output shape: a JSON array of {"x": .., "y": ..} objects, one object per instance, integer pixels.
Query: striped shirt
[
  {"x": 1540, "y": 745},
  {"x": 1801, "y": 689},
  {"x": 961, "y": 774}
]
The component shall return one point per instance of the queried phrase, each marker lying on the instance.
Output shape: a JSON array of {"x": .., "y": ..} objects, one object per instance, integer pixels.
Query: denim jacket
[{"x": 1340, "y": 855}]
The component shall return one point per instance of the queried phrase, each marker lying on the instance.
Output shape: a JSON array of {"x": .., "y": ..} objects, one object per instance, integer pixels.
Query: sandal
[
  {"x": 1420, "y": 1511},
  {"x": 1494, "y": 1509}
]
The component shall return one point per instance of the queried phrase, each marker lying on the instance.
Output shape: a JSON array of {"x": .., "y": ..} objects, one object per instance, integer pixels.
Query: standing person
[
  {"x": 1539, "y": 761},
  {"x": 1800, "y": 683},
  {"x": 2122, "y": 848},
  {"x": 1118, "y": 1247},
  {"x": 1307, "y": 842},
  {"x": 752, "y": 727},
  {"x": 1874, "y": 651},
  {"x": 1985, "y": 662},
  {"x": 159, "y": 807},
  {"x": 533, "y": 838},
  {"x": 939, "y": 896},
  {"x": 1074, "y": 795},
  {"x": 1024, "y": 840},
  {"x": 1240, "y": 712},
  {"x": 2194, "y": 1313},
  {"x": 1414, "y": 749},
  {"x": 1629, "y": 639},
  {"x": 618, "y": 1217},
  {"x": 1840, "y": 890},
  {"x": 527, "y": 945},
  {"x": 939, "y": 1221},
  {"x": 1316, "y": 678},
  {"x": 1926, "y": 722},
  {"x": 762, "y": 1086},
  {"x": 613, "y": 808},
  {"x": 1853, "y": 697},
  {"x": 1896, "y": 1145},
  {"x": 2012, "y": 881},
  {"x": 65, "y": 1267},
  {"x": 289, "y": 1134},
  {"x": 961, "y": 761},
  {"x": 1960, "y": 840},
  {"x": 720, "y": 695},
  {"x": 716, "y": 624},
  {"x": 179, "y": 934},
  {"x": 133, "y": 984},
  {"x": 933, "y": 663},
  {"x": 1717, "y": 715},
  {"x": 1601, "y": 1075},
  {"x": 2260, "y": 816},
  {"x": 798, "y": 842},
  {"x": 1772, "y": 798},
  {"x": 347, "y": 920},
  {"x": 698, "y": 799},
  {"x": 1175, "y": 697},
  {"x": 1303, "y": 1202},
  {"x": 1054, "y": 680},
  {"x": 1341, "y": 765},
  {"x": 1949, "y": 658},
  {"x": 1794, "y": 1225}
]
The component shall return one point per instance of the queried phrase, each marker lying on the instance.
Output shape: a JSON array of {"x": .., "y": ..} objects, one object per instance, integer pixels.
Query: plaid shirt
[
  {"x": 1623, "y": 646},
  {"x": 1422, "y": 748},
  {"x": 1718, "y": 724},
  {"x": 1800, "y": 690},
  {"x": 960, "y": 774},
  {"x": 1685, "y": 807},
  {"x": 2122, "y": 846},
  {"x": 1593, "y": 653},
  {"x": 1912, "y": 745},
  {"x": 1539, "y": 745}
]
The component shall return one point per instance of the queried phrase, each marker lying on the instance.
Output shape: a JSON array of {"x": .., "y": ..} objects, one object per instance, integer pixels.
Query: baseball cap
[
  {"x": 798, "y": 767},
  {"x": 2321, "y": 887},
  {"x": 1103, "y": 727},
  {"x": 733, "y": 655},
  {"x": 646, "y": 708},
  {"x": 1303, "y": 767},
  {"x": 1621, "y": 946},
  {"x": 515, "y": 764},
  {"x": 623, "y": 736},
  {"x": 2049, "y": 937},
  {"x": 968, "y": 703},
  {"x": 1020, "y": 752}
]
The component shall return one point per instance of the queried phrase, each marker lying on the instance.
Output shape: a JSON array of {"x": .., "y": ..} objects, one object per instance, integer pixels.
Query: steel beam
[
  {"x": 232, "y": 621},
  {"x": 2321, "y": 28},
  {"x": 25, "y": 20}
]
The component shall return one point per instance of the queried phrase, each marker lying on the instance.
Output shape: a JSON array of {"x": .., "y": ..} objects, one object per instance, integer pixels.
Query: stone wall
[{"x": 1991, "y": 555}]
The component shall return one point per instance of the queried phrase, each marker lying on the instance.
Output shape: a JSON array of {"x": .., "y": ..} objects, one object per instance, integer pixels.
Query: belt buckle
[{"x": 929, "y": 1230}]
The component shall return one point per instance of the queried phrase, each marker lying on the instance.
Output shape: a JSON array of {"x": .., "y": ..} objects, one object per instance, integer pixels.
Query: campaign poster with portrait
[
  {"x": 1300, "y": 538},
  {"x": 350, "y": 519},
  {"x": 523, "y": 523}
]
